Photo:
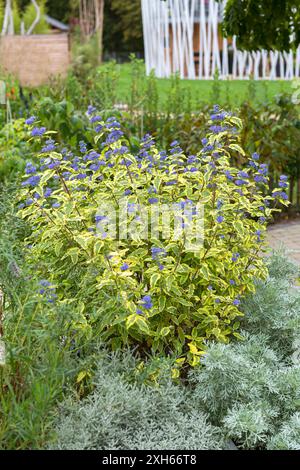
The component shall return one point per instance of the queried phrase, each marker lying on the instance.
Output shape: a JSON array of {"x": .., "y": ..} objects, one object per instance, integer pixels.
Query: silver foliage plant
[
  {"x": 252, "y": 388},
  {"x": 122, "y": 415},
  {"x": 288, "y": 437},
  {"x": 274, "y": 309},
  {"x": 245, "y": 391}
]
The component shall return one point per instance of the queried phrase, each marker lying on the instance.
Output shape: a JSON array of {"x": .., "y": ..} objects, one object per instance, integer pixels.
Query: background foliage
[
  {"x": 123, "y": 31},
  {"x": 263, "y": 24}
]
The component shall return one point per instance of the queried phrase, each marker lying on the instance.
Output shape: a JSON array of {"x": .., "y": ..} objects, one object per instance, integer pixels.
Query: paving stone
[{"x": 286, "y": 235}]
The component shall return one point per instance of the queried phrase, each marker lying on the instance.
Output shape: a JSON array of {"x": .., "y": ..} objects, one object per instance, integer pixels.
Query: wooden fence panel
[{"x": 34, "y": 59}]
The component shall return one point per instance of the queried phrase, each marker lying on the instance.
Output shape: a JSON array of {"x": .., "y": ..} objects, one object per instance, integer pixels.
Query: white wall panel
[{"x": 169, "y": 44}]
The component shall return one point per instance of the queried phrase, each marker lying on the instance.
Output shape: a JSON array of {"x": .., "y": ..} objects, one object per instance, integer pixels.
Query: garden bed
[
  {"x": 99, "y": 331},
  {"x": 157, "y": 347}
]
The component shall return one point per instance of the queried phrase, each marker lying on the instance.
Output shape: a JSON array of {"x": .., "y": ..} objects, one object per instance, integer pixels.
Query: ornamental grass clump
[{"x": 167, "y": 291}]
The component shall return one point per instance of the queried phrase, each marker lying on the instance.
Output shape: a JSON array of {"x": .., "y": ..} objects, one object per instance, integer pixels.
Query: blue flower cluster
[
  {"x": 38, "y": 131},
  {"x": 92, "y": 162},
  {"x": 32, "y": 181},
  {"x": 49, "y": 147},
  {"x": 283, "y": 181},
  {"x": 30, "y": 168},
  {"x": 146, "y": 303},
  {"x": 47, "y": 290},
  {"x": 235, "y": 257},
  {"x": 284, "y": 185},
  {"x": 29, "y": 121},
  {"x": 157, "y": 255},
  {"x": 124, "y": 267},
  {"x": 81, "y": 168}
]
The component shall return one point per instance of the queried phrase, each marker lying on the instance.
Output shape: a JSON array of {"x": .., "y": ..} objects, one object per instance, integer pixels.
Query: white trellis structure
[
  {"x": 8, "y": 21},
  {"x": 184, "y": 36}
]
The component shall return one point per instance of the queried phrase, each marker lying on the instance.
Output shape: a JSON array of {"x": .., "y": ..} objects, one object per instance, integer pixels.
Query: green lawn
[{"x": 231, "y": 92}]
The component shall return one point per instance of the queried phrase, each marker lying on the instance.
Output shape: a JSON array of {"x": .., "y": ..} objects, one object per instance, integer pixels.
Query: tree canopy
[
  {"x": 123, "y": 28},
  {"x": 62, "y": 12},
  {"x": 263, "y": 24}
]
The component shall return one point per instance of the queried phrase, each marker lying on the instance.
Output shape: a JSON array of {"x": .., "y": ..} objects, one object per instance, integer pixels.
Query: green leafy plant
[
  {"x": 151, "y": 292},
  {"x": 170, "y": 109},
  {"x": 103, "y": 86},
  {"x": 13, "y": 149},
  {"x": 69, "y": 123},
  {"x": 37, "y": 362},
  {"x": 85, "y": 56}
]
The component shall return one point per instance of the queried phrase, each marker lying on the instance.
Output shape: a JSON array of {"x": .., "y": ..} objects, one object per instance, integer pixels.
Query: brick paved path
[{"x": 286, "y": 234}]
